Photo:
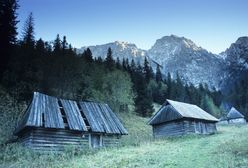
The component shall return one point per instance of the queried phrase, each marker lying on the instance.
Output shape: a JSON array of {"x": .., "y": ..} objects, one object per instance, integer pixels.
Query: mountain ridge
[{"x": 181, "y": 55}]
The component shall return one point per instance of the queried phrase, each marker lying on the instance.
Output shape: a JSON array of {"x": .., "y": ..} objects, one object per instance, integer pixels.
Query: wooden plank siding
[
  {"x": 52, "y": 124},
  {"x": 110, "y": 140},
  {"x": 43, "y": 139},
  {"x": 182, "y": 127},
  {"x": 53, "y": 139}
]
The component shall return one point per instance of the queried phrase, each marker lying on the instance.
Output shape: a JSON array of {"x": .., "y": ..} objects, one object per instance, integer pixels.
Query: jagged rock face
[
  {"x": 178, "y": 54},
  {"x": 119, "y": 49},
  {"x": 236, "y": 56},
  {"x": 236, "y": 62},
  {"x": 194, "y": 64}
]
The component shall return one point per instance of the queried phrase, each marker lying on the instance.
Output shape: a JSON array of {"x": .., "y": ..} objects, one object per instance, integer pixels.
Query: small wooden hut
[
  {"x": 235, "y": 117},
  {"x": 177, "y": 118},
  {"x": 51, "y": 123}
]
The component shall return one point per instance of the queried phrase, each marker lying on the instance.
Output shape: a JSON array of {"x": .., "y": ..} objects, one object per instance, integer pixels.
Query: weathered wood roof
[
  {"x": 173, "y": 110},
  {"x": 234, "y": 114},
  {"x": 47, "y": 111}
]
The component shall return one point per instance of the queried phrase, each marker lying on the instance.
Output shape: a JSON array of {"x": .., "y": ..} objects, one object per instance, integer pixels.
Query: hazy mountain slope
[
  {"x": 236, "y": 61},
  {"x": 195, "y": 64},
  {"x": 178, "y": 54},
  {"x": 119, "y": 49}
]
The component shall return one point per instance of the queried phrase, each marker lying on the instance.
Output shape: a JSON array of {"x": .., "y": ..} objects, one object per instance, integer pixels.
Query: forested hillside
[{"x": 54, "y": 68}]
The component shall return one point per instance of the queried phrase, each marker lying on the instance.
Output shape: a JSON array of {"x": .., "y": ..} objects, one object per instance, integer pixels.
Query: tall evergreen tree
[
  {"x": 169, "y": 85},
  {"x": 158, "y": 74},
  {"x": 8, "y": 31},
  {"x": 28, "y": 32},
  {"x": 40, "y": 45},
  {"x": 147, "y": 71},
  {"x": 128, "y": 66},
  {"x": 64, "y": 44},
  {"x": 118, "y": 64},
  {"x": 57, "y": 45},
  {"x": 143, "y": 100},
  {"x": 87, "y": 55},
  {"x": 109, "y": 61}
]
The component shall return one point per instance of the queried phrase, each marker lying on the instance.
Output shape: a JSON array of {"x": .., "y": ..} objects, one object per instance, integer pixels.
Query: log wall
[
  {"x": 111, "y": 140},
  {"x": 58, "y": 140},
  {"x": 51, "y": 139},
  {"x": 182, "y": 127}
]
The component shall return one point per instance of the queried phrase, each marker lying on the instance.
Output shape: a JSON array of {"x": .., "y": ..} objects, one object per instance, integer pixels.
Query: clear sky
[{"x": 211, "y": 24}]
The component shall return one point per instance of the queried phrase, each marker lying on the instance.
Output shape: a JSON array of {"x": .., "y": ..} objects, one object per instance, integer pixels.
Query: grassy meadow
[{"x": 226, "y": 149}]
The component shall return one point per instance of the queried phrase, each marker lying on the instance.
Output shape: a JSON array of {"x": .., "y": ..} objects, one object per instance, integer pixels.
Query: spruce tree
[
  {"x": 64, "y": 44},
  {"x": 28, "y": 32},
  {"x": 124, "y": 65},
  {"x": 143, "y": 100},
  {"x": 128, "y": 66},
  {"x": 158, "y": 74},
  {"x": 87, "y": 55},
  {"x": 57, "y": 45},
  {"x": 109, "y": 61},
  {"x": 147, "y": 71},
  {"x": 40, "y": 45},
  {"x": 169, "y": 85},
  {"x": 118, "y": 64},
  {"x": 8, "y": 31}
]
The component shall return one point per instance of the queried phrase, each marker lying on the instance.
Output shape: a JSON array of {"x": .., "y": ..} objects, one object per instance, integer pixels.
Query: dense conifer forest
[{"x": 55, "y": 68}]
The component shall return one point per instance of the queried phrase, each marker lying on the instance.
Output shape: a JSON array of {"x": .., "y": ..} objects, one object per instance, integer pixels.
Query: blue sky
[{"x": 211, "y": 24}]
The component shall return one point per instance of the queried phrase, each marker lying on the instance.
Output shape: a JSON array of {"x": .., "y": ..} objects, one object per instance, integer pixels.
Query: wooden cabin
[
  {"x": 51, "y": 123},
  {"x": 177, "y": 118},
  {"x": 235, "y": 117},
  {"x": 223, "y": 120}
]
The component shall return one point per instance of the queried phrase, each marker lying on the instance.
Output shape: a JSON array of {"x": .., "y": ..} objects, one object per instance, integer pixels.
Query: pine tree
[
  {"x": 147, "y": 71},
  {"x": 87, "y": 55},
  {"x": 118, "y": 64},
  {"x": 158, "y": 74},
  {"x": 57, "y": 45},
  {"x": 124, "y": 65},
  {"x": 179, "y": 89},
  {"x": 64, "y": 44},
  {"x": 169, "y": 85},
  {"x": 8, "y": 31},
  {"x": 99, "y": 60},
  {"x": 109, "y": 61},
  {"x": 143, "y": 100},
  {"x": 128, "y": 66},
  {"x": 40, "y": 46},
  {"x": 28, "y": 32}
]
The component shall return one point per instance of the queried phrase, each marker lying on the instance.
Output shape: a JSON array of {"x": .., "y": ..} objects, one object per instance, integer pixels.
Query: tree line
[{"x": 55, "y": 68}]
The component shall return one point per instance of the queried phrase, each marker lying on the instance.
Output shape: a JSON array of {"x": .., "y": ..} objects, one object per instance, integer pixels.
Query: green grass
[{"x": 226, "y": 149}]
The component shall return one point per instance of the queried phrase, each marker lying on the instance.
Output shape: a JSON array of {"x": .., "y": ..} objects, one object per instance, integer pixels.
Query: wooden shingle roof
[
  {"x": 50, "y": 112},
  {"x": 173, "y": 110}
]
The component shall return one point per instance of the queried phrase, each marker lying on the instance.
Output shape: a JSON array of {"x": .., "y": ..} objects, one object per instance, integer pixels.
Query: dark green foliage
[
  {"x": 87, "y": 55},
  {"x": 57, "y": 45},
  {"x": 238, "y": 97},
  {"x": 8, "y": 31},
  {"x": 28, "y": 32},
  {"x": 118, "y": 64},
  {"x": 158, "y": 74},
  {"x": 109, "y": 61},
  {"x": 55, "y": 69},
  {"x": 124, "y": 64},
  {"x": 64, "y": 44},
  {"x": 23, "y": 67},
  {"x": 143, "y": 100},
  {"x": 147, "y": 71}
]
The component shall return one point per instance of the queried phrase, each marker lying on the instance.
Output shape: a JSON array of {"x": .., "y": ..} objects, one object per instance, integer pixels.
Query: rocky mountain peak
[{"x": 181, "y": 55}]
